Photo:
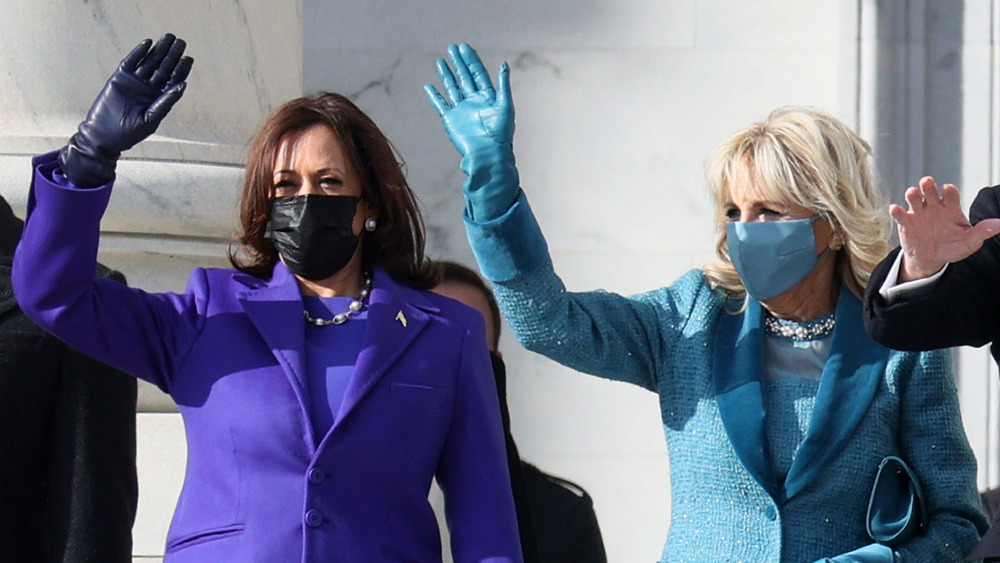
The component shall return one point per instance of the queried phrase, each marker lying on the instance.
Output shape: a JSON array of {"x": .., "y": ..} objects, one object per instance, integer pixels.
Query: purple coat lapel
[
  {"x": 393, "y": 323},
  {"x": 275, "y": 308}
]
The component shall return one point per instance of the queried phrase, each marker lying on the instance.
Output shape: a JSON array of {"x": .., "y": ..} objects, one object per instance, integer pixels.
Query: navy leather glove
[
  {"x": 148, "y": 82},
  {"x": 480, "y": 122}
]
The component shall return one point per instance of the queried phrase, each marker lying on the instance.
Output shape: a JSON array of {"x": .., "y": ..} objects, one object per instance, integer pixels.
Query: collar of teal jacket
[{"x": 850, "y": 379}]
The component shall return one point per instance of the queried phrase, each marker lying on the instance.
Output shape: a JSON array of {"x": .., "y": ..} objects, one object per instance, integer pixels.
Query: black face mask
[{"x": 313, "y": 233}]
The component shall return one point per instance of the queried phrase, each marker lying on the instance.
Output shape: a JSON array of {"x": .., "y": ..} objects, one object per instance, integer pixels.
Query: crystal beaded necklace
[{"x": 816, "y": 329}]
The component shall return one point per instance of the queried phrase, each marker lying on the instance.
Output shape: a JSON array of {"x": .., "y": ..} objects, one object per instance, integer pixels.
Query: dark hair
[
  {"x": 397, "y": 245},
  {"x": 457, "y": 273}
]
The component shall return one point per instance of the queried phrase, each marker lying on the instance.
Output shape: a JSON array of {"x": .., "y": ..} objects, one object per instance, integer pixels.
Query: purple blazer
[{"x": 259, "y": 485}]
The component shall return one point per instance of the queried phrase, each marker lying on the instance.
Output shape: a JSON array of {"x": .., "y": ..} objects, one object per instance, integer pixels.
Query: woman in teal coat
[{"x": 777, "y": 407}]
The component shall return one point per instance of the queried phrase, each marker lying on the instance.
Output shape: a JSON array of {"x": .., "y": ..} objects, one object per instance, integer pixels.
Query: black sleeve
[
  {"x": 92, "y": 467},
  {"x": 961, "y": 308},
  {"x": 29, "y": 366},
  {"x": 589, "y": 546},
  {"x": 563, "y": 516},
  {"x": 68, "y": 487},
  {"x": 68, "y": 482},
  {"x": 92, "y": 470}
]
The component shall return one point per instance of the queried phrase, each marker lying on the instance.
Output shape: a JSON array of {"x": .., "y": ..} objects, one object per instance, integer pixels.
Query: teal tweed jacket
[{"x": 707, "y": 366}]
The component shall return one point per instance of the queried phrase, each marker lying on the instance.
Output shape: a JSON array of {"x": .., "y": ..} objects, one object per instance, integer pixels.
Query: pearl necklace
[
  {"x": 354, "y": 307},
  {"x": 816, "y": 329}
]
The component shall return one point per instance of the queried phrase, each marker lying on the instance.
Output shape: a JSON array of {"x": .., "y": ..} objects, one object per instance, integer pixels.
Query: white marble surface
[
  {"x": 614, "y": 119},
  {"x": 162, "y": 454},
  {"x": 58, "y": 54},
  {"x": 248, "y": 59}
]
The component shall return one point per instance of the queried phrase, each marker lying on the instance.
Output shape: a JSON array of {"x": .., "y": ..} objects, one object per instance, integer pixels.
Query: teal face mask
[{"x": 772, "y": 257}]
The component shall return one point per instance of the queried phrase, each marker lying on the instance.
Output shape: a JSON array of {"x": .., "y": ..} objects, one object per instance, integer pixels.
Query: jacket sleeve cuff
[
  {"x": 891, "y": 290},
  {"x": 509, "y": 245},
  {"x": 47, "y": 166},
  {"x": 48, "y": 175}
]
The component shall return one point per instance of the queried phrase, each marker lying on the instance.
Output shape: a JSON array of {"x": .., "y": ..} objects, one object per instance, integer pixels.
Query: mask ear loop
[{"x": 833, "y": 233}]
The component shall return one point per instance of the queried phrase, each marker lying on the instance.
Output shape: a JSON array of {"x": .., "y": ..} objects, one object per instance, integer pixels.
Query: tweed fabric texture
[
  {"x": 663, "y": 341},
  {"x": 789, "y": 408}
]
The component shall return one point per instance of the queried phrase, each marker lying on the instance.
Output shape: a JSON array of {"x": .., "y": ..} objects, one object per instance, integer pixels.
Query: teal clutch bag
[{"x": 896, "y": 509}]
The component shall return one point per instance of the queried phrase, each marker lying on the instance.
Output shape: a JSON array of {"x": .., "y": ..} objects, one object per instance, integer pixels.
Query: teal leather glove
[
  {"x": 871, "y": 553},
  {"x": 480, "y": 122}
]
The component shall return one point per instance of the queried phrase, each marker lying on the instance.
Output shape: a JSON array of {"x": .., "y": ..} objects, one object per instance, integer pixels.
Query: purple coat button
[
  {"x": 317, "y": 475},
  {"x": 314, "y": 518}
]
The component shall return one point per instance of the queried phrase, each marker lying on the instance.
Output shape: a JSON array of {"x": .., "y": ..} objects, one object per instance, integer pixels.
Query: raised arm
[
  {"x": 962, "y": 306},
  {"x": 570, "y": 328},
  {"x": 56, "y": 260}
]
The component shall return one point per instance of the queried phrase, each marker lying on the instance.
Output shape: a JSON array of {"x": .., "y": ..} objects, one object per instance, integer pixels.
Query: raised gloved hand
[
  {"x": 148, "y": 82},
  {"x": 480, "y": 122}
]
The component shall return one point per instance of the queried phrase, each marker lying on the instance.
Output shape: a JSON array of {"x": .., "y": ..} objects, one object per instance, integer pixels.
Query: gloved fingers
[
  {"x": 436, "y": 100},
  {"x": 480, "y": 75},
  {"x": 451, "y": 89},
  {"x": 132, "y": 60},
  {"x": 181, "y": 71},
  {"x": 154, "y": 57},
  {"x": 462, "y": 74},
  {"x": 161, "y": 107},
  {"x": 503, "y": 82},
  {"x": 165, "y": 69}
]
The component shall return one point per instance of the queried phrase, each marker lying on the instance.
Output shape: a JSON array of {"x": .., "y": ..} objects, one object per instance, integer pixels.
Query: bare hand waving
[{"x": 934, "y": 231}]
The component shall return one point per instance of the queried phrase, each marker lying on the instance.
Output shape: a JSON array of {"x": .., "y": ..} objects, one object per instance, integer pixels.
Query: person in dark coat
[
  {"x": 68, "y": 486},
  {"x": 941, "y": 287},
  {"x": 555, "y": 517},
  {"x": 563, "y": 519}
]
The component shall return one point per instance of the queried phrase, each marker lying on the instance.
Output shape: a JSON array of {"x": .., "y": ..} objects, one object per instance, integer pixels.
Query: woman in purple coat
[{"x": 322, "y": 387}]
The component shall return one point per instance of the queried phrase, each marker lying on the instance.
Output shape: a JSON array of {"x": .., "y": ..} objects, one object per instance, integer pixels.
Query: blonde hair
[{"x": 802, "y": 156}]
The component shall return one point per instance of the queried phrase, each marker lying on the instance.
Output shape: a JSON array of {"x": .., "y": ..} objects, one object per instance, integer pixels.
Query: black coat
[
  {"x": 555, "y": 517},
  {"x": 68, "y": 487},
  {"x": 962, "y": 308},
  {"x": 563, "y": 518}
]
